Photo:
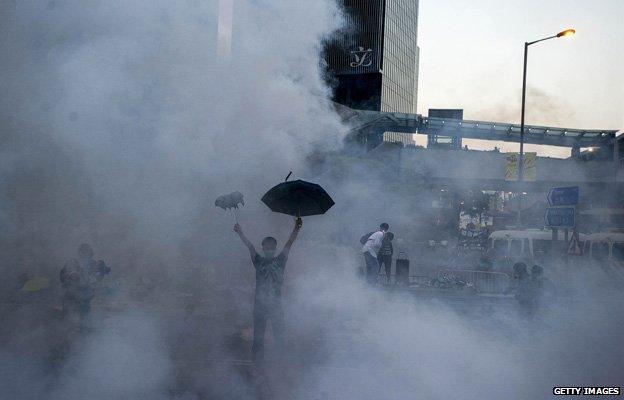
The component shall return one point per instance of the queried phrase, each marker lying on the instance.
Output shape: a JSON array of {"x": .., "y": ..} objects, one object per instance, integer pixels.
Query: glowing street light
[{"x": 565, "y": 33}]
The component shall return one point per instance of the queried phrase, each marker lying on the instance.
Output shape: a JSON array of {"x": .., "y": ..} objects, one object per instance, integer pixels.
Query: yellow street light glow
[{"x": 567, "y": 32}]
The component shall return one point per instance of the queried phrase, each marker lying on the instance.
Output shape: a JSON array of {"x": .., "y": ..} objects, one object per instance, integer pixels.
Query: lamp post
[{"x": 567, "y": 32}]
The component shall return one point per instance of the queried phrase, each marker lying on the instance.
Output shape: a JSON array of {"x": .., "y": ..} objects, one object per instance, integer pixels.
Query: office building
[{"x": 372, "y": 62}]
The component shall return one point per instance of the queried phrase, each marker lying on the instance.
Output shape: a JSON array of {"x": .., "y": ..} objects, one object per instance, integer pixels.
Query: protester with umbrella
[
  {"x": 296, "y": 198},
  {"x": 269, "y": 279}
]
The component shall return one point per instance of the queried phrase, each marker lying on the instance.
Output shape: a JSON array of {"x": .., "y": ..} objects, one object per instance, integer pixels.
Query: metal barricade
[
  {"x": 483, "y": 281},
  {"x": 419, "y": 280}
]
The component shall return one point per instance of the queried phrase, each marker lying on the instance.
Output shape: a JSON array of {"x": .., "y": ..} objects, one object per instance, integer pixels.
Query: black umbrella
[{"x": 298, "y": 198}]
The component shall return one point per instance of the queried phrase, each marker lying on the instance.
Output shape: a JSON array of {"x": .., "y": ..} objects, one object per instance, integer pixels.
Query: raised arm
[
  {"x": 293, "y": 236},
  {"x": 250, "y": 246}
]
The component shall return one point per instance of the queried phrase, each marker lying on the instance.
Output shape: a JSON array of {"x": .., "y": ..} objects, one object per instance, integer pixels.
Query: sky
[{"x": 471, "y": 58}]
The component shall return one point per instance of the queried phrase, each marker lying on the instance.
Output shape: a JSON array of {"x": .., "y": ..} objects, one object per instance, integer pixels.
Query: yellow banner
[{"x": 511, "y": 168}]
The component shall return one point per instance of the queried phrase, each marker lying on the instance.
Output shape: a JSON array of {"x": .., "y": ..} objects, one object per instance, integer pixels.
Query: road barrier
[{"x": 483, "y": 281}]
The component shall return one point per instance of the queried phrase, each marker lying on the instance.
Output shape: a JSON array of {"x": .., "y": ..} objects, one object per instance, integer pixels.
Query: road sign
[
  {"x": 563, "y": 196},
  {"x": 575, "y": 246},
  {"x": 560, "y": 217}
]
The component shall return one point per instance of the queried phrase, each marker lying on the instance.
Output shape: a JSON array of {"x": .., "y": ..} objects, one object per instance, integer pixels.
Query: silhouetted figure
[
  {"x": 543, "y": 289},
  {"x": 370, "y": 249},
  {"x": 269, "y": 279},
  {"x": 78, "y": 278},
  {"x": 384, "y": 256},
  {"x": 523, "y": 289}
]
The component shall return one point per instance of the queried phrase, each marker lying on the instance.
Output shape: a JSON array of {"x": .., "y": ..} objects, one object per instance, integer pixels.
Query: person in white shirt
[{"x": 370, "y": 250}]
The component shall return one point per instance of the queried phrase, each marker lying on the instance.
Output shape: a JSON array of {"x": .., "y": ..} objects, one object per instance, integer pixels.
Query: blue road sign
[
  {"x": 563, "y": 196},
  {"x": 560, "y": 217}
]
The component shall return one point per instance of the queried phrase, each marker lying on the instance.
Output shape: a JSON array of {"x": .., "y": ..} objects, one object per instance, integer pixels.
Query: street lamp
[{"x": 567, "y": 32}]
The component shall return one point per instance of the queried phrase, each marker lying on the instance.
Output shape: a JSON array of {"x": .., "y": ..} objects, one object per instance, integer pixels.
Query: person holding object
[
  {"x": 370, "y": 249},
  {"x": 269, "y": 279}
]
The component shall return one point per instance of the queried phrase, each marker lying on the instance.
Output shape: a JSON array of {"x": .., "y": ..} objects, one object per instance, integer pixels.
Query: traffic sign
[
  {"x": 560, "y": 217},
  {"x": 563, "y": 196},
  {"x": 575, "y": 246}
]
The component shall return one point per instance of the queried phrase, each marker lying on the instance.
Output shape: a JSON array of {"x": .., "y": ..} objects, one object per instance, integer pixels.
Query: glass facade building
[{"x": 372, "y": 62}]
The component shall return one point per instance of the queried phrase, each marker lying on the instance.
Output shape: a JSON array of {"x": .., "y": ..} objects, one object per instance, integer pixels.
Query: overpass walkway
[{"x": 373, "y": 124}]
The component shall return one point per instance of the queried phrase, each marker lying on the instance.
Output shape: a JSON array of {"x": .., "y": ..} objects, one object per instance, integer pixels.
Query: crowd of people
[
  {"x": 81, "y": 275},
  {"x": 530, "y": 288}
]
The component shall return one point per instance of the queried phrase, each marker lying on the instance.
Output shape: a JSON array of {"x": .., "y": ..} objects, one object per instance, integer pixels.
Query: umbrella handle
[{"x": 236, "y": 215}]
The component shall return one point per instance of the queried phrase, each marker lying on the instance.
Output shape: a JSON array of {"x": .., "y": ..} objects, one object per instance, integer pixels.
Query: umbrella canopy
[
  {"x": 298, "y": 198},
  {"x": 232, "y": 200}
]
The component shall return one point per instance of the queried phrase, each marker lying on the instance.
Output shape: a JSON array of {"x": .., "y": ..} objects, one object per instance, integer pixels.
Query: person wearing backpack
[
  {"x": 370, "y": 248},
  {"x": 384, "y": 256}
]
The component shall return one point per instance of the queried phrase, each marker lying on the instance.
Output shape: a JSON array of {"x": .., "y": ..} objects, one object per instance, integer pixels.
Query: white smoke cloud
[{"x": 119, "y": 126}]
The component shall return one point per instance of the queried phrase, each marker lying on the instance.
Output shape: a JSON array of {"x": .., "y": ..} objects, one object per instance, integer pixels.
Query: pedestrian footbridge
[
  {"x": 372, "y": 125},
  {"x": 486, "y": 169}
]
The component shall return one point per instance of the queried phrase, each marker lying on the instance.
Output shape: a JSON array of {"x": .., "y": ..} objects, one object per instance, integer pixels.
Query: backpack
[{"x": 364, "y": 238}]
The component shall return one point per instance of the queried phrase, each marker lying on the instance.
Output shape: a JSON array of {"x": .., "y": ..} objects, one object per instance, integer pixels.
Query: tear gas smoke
[{"x": 119, "y": 126}]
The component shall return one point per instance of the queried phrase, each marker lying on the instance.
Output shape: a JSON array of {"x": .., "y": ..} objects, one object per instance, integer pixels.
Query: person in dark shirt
[
  {"x": 269, "y": 279},
  {"x": 78, "y": 277},
  {"x": 384, "y": 256}
]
